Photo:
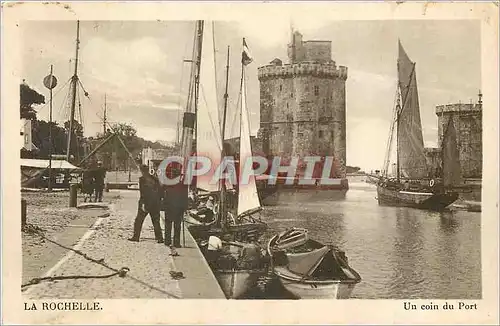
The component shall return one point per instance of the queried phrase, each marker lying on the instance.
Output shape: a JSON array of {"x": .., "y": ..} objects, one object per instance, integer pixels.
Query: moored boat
[
  {"x": 235, "y": 262},
  {"x": 415, "y": 184},
  {"x": 431, "y": 199},
  {"x": 309, "y": 269},
  {"x": 237, "y": 267}
]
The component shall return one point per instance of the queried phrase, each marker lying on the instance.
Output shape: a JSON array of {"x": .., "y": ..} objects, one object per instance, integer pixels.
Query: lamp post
[{"x": 50, "y": 82}]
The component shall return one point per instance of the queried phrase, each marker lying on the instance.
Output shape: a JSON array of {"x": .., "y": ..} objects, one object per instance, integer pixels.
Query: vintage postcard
[{"x": 250, "y": 162}]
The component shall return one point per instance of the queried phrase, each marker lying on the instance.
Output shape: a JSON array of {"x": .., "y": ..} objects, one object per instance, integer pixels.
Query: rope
[
  {"x": 235, "y": 114},
  {"x": 122, "y": 272},
  {"x": 214, "y": 130},
  {"x": 53, "y": 97},
  {"x": 62, "y": 112}
]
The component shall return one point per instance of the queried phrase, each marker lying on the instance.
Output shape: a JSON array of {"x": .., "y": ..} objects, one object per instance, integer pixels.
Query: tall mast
[
  {"x": 223, "y": 132},
  {"x": 293, "y": 42},
  {"x": 189, "y": 119},
  {"x": 398, "y": 112},
  {"x": 74, "y": 83},
  {"x": 197, "y": 77},
  {"x": 50, "y": 134},
  {"x": 104, "y": 121}
]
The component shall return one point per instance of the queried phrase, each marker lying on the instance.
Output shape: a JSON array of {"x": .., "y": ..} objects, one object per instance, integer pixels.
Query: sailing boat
[
  {"x": 412, "y": 187},
  {"x": 241, "y": 226},
  {"x": 237, "y": 263}
]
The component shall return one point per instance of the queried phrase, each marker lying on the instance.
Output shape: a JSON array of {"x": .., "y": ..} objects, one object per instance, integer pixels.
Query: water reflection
[
  {"x": 449, "y": 223},
  {"x": 399, "y": 252}
]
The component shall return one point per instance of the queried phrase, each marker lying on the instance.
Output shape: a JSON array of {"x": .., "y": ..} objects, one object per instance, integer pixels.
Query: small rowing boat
[{"x": 309, "y": 269}]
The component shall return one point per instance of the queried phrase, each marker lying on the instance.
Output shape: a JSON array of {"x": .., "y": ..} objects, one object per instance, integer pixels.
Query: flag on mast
[{"x": 246, "y": 58}]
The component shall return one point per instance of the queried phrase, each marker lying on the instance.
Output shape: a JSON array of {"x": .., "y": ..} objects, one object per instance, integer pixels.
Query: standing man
[
  {"x": 149, "y": 203},
  {"x": 100, "y": 175},
  {"x": 87, "y": 185},
  {"x": 175, "y": 202}
]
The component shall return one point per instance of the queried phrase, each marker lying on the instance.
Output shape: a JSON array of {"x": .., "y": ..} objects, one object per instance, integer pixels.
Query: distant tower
[
  {"x": 303, "y": 103},
  {"x": 467, "y": 119}
]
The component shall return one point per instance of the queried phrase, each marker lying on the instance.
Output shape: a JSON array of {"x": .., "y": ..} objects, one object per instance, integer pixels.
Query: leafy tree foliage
[{"x": 28, "y": 98}]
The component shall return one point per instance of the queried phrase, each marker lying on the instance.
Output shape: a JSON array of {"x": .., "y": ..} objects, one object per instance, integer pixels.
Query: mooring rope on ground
[
  {"x": 38, "y": 231},
  {"x": 122, "y": 272}
]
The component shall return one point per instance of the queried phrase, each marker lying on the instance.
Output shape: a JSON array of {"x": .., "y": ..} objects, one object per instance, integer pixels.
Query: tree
[
  {"x": 77, "y": 139},
  {"x": 40, "y": 138},
  {"x": 77, "y": 128},
  {"x": 29, "y": 97},
  {"x": 114, "y": 155}
]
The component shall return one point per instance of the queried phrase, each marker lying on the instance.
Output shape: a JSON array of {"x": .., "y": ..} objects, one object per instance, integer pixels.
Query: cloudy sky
[{"x": 139, "y": 66}]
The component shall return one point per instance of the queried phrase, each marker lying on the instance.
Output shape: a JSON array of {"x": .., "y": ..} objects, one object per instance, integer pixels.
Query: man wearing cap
[
  {"x": 175, "y": 202},
  {"x": 100, "y": 175},
  {"x": 149, "y": 203}
]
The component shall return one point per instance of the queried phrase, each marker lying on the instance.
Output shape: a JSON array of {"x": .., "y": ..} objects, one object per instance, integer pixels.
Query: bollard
[
  {"x": 23, "y": 213},
  {"x": 73, "y": 195}
]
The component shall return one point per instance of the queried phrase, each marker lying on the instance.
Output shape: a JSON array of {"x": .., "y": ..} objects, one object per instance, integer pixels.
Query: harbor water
[{"x": 400, "y": 253}]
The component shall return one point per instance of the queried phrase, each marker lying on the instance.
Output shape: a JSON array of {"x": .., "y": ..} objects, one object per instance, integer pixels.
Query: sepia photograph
[{"x": 308, "y": 158}]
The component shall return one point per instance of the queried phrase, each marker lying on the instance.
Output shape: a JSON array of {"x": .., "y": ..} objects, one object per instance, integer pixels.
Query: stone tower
[
  {"x": 467, "y": 119},
  {"x": 302, "y": 104}
]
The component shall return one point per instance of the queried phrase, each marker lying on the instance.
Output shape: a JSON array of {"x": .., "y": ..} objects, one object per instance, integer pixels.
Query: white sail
[
  {"x": 208, "y": 135},
  {"x": 248, "y": 198}
]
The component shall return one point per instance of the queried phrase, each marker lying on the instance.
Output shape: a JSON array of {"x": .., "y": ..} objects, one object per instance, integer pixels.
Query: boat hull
[
  {"x": 421, "y": 200},
  {"x": 235, "y": 283},
  {"x": 238, "y": 232},
  {"x": 306, "y": 287},
  {"x": 326, "y": 290}
]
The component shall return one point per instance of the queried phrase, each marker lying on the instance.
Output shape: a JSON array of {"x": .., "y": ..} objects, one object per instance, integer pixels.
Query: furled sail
[
  {"x": 411, "y": 154},
  {"x": 248, "y": 198},
  {"x": 451, "y": 162},
  {"x": 208, "y": 136}
]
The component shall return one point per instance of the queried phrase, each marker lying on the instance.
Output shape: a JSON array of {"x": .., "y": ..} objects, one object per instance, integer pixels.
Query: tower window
[
  {"x": 291, "y": 95},
  {"x": 316, "y": 90},
  {"x": 287, "y": 106},
  {"x": 321, "y": 134},
  {"x": 281, "y": 88}
]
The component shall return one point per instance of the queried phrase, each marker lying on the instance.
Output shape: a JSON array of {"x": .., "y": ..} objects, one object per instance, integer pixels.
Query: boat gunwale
[
  {"x": 308, "y": 279},
  {"x": 249, "y": 271},
  {"x": 300, "y": 279}
]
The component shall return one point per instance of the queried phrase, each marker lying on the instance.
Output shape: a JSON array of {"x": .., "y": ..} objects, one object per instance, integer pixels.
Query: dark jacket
[
  {"x": 175, "y": 200},
  {"x": 150, "y": 192},
  {"x": 99, "y": 176},
  {"x": 87, "y": 182}
]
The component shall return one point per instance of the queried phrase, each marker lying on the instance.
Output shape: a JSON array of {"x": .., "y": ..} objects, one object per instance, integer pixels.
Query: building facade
[
  {"x": 467, "y": 119},
  {"x": 303, "y": 104}
]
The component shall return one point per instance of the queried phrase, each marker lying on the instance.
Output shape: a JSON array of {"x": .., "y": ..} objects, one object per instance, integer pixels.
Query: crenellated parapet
[
  {"x": 303, "y": 69},
  {"x": 459, "y": 108}
]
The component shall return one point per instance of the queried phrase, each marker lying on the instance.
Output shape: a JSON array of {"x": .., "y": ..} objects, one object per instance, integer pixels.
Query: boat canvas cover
[
  {"x": 410, "y": 144},
  {"x": 306, "y": 263}
]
